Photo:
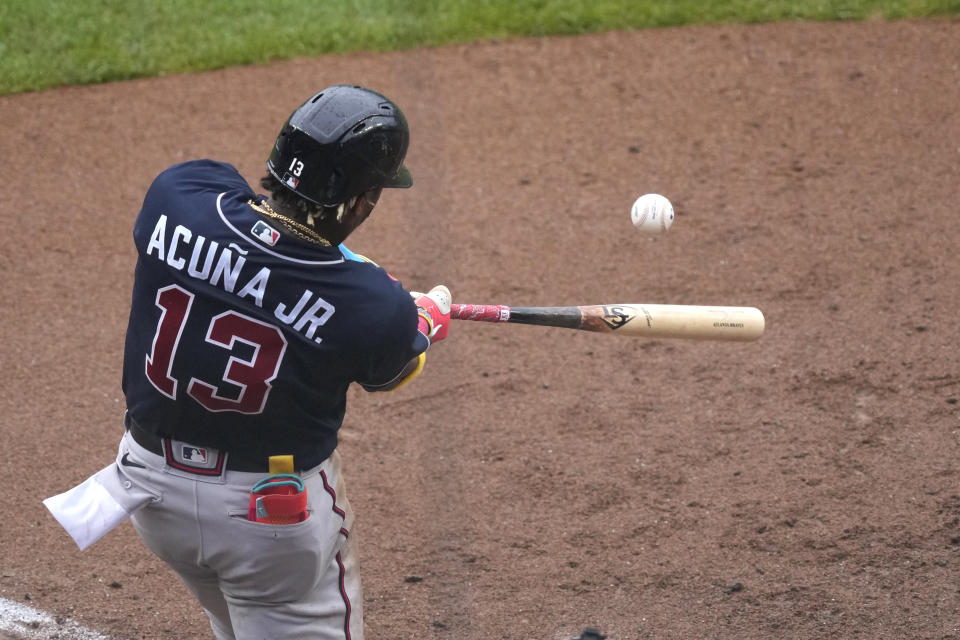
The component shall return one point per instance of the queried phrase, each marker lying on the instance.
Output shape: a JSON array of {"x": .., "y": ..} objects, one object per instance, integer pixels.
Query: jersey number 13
[{"x": 252, "y": 376}]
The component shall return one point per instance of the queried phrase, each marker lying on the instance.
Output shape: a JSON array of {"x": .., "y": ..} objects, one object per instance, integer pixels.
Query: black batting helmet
[{"x": 341, "y": 142}]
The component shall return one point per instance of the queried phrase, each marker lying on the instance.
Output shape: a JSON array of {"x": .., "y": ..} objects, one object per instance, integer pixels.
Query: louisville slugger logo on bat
[
  {"x": 690, "y": 322},
  {"x": 617, "y": 316}
]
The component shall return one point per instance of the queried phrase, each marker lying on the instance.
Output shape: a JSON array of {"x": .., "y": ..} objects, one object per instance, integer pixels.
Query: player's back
[{"x": 244, "y": 336}]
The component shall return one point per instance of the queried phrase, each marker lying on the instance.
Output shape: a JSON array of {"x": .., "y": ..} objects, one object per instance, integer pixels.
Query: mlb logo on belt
[
  {"x": 265, "y": 233},
  {"x": 205, "y": 461},
  {"x": 196, "y": 455}
]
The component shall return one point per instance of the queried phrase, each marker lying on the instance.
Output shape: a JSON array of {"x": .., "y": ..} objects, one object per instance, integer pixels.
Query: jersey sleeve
[{"x": 400, "y": 343}]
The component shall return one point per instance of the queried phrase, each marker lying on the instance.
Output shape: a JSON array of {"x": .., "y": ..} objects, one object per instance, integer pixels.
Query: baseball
[{"x": 652, "y": 213}]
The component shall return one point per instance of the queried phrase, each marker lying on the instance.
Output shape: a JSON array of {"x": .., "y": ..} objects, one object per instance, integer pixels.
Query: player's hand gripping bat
[{"x": 689, "y": 322}]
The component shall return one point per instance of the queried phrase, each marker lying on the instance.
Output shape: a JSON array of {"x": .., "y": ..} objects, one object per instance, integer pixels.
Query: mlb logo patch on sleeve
[{"x": 265, "y": 233}]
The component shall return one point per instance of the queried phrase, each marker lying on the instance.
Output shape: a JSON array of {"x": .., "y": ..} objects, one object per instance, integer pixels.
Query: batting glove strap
[{"x": 433, "y": 323}]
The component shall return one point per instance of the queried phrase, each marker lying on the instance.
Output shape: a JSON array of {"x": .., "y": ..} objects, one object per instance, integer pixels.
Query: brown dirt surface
[{"x": 535, "y": 481}]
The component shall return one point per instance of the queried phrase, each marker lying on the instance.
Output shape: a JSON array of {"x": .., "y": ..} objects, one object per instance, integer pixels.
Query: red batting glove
[{"x": 434, "y": 311}]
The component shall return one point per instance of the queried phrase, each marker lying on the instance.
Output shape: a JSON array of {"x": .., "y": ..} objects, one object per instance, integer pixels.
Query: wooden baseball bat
[{"x": 690, "y": 322}]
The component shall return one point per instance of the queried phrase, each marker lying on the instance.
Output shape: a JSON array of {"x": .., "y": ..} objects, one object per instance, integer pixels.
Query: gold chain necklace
[{"x": 298, "y": 229}]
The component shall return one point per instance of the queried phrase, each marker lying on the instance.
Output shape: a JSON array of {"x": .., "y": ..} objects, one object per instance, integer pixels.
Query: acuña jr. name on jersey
[{"x": 224, "y": 267}]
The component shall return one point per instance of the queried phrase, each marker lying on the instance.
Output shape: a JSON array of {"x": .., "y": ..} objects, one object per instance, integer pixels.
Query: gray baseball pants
[{"x": 255, "y": 581}]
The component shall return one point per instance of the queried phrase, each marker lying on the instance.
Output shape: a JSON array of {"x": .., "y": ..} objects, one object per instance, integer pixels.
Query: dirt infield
[{"x": 536, "y": 481}]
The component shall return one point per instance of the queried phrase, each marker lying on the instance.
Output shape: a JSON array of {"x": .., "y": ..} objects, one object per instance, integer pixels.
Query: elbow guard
[
  {"x": 411, "y": 371},
  {"x": 415, "y": 371}
]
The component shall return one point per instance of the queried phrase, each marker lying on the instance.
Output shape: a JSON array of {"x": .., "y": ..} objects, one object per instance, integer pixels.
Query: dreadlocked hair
[{"x": 303, "y": 210}]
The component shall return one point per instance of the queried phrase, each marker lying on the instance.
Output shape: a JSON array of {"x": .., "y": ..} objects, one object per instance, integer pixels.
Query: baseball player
[{"x": 249, "y": 320}]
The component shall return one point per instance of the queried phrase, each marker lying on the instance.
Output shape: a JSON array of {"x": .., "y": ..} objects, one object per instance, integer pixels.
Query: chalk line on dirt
[{"x": 32, "y": 624}]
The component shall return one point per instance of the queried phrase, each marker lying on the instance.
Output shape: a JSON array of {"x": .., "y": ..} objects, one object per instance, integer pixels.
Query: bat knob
[{"x": 441, "y": 295}]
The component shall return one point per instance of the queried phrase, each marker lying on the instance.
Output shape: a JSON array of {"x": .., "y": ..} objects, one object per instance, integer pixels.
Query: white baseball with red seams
[{"x": 652, "y": 213}]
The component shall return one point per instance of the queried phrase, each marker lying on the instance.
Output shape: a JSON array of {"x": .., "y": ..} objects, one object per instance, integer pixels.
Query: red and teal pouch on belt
[{"x": 278, "y": 499}]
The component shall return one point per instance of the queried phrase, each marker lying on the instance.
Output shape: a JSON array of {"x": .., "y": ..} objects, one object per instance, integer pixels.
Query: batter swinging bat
[{"x": 689, "y": 322}]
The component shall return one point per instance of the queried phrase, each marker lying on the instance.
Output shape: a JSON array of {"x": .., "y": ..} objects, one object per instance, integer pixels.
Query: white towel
[{"x": 97, "y": 505}]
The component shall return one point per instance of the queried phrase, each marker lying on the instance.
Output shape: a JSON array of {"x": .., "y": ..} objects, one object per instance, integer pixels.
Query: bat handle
[{"x": 480, "y": 312}]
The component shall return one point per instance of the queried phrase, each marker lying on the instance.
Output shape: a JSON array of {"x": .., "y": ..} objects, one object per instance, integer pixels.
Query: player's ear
[
  {"x": 368, "y": 200},
  {"x": 361, "y": 207}
]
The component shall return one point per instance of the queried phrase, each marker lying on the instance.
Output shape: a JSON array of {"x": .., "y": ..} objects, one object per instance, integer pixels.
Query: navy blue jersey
[{"x": 243, "y": 336}]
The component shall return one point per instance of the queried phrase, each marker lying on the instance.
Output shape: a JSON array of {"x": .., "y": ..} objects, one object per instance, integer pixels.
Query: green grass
[{"x": 46, "y": 43}]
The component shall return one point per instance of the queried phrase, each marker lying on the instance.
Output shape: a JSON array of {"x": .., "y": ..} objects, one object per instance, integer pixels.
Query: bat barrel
[{"x": 689, "y": 322}]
